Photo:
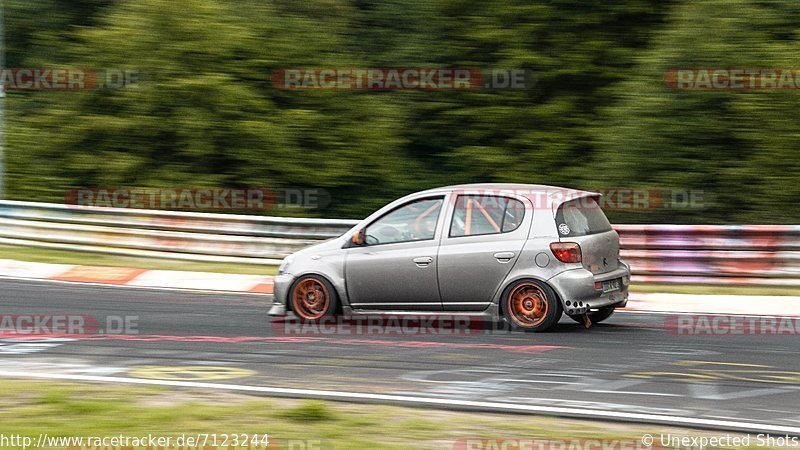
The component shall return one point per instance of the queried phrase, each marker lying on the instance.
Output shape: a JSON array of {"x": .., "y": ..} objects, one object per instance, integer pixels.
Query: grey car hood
[{"x": 322, "y": 247}]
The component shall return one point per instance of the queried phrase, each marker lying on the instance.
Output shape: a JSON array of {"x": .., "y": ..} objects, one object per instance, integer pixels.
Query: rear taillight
[{"x": 568, "y": 252}]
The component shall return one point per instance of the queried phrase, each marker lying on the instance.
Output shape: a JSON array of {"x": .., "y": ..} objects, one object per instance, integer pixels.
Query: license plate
[{"x": 611, "y": 285}]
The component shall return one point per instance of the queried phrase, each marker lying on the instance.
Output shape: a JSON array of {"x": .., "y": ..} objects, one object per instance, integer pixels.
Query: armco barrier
[
  {"x": 733, "y": 254},
  {"x": 165, "y": 234},
  {"x": 743, "y": 254}
]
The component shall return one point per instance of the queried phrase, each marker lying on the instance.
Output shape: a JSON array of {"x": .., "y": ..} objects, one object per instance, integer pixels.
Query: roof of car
[{"x": 526, "y": 190}]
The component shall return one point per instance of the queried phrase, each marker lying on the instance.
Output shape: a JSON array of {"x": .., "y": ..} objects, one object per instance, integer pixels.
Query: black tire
[
  {"x": 312, "y": 298},
  {"x": 597, "y": 316},
  {"x": 530, "y": 305}
]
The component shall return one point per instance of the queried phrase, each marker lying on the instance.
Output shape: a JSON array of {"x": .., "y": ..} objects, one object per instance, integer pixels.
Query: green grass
[
  {"x": 47, "y": 255},
  {"x": 71, "y": 409},
  {"x": 705, "y": 289}
]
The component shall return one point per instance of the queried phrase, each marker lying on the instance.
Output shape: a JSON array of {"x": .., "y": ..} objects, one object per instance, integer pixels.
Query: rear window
[{"x": 581, "y": 217}]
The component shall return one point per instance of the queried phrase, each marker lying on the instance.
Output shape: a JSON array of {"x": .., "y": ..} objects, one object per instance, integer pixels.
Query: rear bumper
[
  {"x": 280, "y": 293},
  {"x": 577, "y": 289}
]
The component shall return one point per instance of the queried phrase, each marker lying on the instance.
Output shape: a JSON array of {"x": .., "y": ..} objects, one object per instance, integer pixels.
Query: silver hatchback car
[{"x": 526, "y": 253}]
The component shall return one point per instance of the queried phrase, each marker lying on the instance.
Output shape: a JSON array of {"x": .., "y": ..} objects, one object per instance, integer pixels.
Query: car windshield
[{"x": 581, "y": 217}]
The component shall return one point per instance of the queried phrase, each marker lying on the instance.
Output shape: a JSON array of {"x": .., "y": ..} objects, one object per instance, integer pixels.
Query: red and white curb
[
  {"x": 127, "y": 276},
  {"x": 207, "y": 281}
]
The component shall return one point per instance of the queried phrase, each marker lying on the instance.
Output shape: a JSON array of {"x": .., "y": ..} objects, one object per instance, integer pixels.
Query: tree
[
  {"x": 738, "y": 147},
  {"x": 205, "y": 114}
]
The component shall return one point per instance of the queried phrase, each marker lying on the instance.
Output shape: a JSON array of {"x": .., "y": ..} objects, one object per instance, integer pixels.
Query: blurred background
[{"x": 599, "y": 115}]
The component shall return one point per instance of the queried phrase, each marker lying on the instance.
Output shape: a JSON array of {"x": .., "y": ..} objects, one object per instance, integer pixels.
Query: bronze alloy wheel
[
  {"x": 527, "y": 304},
  {"x": 310, "y": 299}
]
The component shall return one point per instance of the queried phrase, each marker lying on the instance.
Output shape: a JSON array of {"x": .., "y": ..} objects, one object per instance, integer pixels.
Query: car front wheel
[
  {"x": 312, "y": 298},
  {"x": 530, "y": 305}
]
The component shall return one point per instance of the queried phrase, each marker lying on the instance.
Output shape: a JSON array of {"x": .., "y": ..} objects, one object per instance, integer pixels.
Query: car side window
[
  {"x": 415, "y": 221},
  {"x": 488, "y": 214},
  {"x": 514, "y": 213}
]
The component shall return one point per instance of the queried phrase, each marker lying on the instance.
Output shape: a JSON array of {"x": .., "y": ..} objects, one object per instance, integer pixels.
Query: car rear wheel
[
  {"x": 595, "y": 316},
  {"x": 530, "y": 305},
  {"x": 312, "y": 298}
]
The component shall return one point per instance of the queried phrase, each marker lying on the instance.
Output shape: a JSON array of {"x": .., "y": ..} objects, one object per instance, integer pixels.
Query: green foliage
[
  {"x": 30, "y": 408},
  {"x": 739, "y": 147},
  {"x": 599, "y": 115},
  {"x": 309, "y": 411}
]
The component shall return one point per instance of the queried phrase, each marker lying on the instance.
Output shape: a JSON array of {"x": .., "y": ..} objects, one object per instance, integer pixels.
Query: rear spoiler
[{"x": 574, "y": 195}]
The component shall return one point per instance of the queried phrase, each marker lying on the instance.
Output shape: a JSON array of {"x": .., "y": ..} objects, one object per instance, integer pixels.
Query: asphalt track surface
[{"x": 633, "y": 364}]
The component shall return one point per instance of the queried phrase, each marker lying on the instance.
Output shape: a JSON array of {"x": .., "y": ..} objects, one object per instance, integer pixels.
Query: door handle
[
  {"x": 423, "y": 261},
  {"x": 504, "y": 257}
]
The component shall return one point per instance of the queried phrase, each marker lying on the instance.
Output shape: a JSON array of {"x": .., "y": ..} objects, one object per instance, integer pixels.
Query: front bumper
[
  {"x": 577, "y": 289},
  {"x": 282, "y": 283}
]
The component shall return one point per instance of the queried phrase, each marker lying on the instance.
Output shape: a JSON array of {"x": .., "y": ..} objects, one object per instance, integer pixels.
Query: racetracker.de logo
[
  {"x": 381, "y": 325},
  {"x": 71, "y": 325},
  {"x": 65, "y": 78},
  {"x": 722, "y": 325},
  {"x": 46, "y": 324},
  {"x": 708, "y": 79},
  {"x": 199, "y": 199},
  {"x": 188, "y": 199},
  {"x": 409, "y": 78},
  {"x": 610, "y": 199}
]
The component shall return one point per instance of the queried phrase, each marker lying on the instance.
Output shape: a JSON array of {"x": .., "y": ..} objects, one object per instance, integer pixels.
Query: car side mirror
[{"x": 360, "y": 237}]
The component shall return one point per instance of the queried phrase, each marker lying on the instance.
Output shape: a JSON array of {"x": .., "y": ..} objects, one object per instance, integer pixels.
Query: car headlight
[{"x": 284, "y": 265}]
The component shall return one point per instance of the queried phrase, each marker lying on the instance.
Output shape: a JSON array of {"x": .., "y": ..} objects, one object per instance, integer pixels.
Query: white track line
[{"x": 427, "y": 401}]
